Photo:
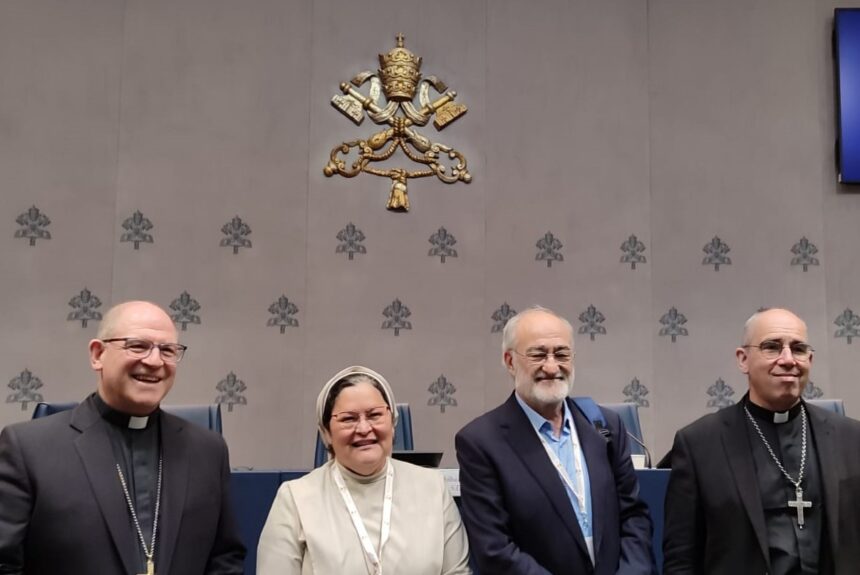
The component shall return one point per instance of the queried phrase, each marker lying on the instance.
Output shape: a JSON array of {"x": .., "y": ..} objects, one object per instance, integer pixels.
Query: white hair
[{"x": 510, "y": 331}]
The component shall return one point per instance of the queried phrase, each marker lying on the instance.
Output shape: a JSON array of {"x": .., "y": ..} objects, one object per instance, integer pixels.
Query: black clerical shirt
[
  {"x": 793, "y": 551},
  {"x": 137, "y": 452}
]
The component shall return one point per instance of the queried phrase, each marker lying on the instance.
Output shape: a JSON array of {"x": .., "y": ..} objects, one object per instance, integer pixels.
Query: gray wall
[{"x": 672, "y": 120}]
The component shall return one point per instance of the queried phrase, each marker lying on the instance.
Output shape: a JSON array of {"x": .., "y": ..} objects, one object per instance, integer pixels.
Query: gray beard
[{"x": 551, "y": 394}]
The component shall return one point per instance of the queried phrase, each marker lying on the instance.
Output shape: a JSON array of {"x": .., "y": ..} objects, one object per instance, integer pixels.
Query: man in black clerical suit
[
  {"x": 771, "y": 484},
  {"x": 117, "y": 486}
]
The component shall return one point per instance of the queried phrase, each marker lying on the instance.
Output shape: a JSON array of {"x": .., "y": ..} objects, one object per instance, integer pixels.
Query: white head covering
[{"x": 352, "y": 370}]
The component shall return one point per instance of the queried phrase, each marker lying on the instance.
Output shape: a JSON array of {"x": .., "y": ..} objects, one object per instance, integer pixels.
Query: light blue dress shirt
[{"x": 563, "y": 448}]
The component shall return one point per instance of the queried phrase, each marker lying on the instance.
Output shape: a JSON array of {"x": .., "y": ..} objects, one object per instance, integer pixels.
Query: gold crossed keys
[{"x": 397, "y": 80}]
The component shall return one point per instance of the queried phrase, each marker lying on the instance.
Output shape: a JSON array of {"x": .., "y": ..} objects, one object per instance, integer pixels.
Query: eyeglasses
[
  {"x": 772, "y": 349},
  {"x": 350, "y": 419},
  {"x": 141, "y": 348},
  {"x": 562, "y": 356}
]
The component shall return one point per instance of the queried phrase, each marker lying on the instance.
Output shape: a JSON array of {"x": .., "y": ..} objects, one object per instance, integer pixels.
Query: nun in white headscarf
[{"x": 362, "y": 512}]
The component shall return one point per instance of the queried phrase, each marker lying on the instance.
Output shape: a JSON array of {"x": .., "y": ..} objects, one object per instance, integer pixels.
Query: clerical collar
[
  {"x": 763, "y": 414},
  {"x": 123, "y": 420}
]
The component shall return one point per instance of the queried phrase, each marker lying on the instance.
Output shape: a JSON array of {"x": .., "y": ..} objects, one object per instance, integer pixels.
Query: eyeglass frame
[
  {"x": 362, "y": 415},
  {"x": 181, "y": 349},
  {"x": 809, "y": 350},
  {"x": 546, "y": 355}
]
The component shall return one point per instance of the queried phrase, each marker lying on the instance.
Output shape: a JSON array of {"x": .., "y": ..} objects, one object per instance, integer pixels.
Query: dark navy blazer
[{"x": 518, "y": 514}]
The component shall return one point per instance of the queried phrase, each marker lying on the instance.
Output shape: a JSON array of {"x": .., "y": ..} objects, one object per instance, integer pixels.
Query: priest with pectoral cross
[
  {"x": 789, "y": 484},
  {"x": 772, "y": 483},
  {"x": 136, "y": 445},
  {"x": 116, "y": 485}
]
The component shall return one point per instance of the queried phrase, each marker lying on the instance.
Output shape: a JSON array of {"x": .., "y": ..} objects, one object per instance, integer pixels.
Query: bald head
[
  {"x": 118, "y": 314},
  {"x": 776, "y": 358},
  {"x": 767, "y": 316},
  {"x": 131, "y": 382}
]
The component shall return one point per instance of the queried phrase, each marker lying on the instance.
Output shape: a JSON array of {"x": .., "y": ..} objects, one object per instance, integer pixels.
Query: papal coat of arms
[{"x": 398, "y": 80}]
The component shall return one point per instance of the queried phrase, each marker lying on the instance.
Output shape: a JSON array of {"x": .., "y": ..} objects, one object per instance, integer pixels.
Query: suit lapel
[
  {"x": 174, "y": 484},
  {"x": 825, "y": 447},
  {"x": 521, "y": 436},
  {"x": 94, "y": 449},
  {"x": 736, "y": 445},
  {"x": 594, "y": 452}
]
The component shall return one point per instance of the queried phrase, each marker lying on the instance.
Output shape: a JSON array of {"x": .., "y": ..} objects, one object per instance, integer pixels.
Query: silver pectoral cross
[
  {"x": 799, "y": 504},
  {"x": 150, "y": 568}
]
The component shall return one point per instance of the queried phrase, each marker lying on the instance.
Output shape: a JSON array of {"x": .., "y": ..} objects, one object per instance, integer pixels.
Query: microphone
[
  {"x": 643, "y": 446},
  {"x": 603, "y": 431},
  {"x": 607, "y": 435}
]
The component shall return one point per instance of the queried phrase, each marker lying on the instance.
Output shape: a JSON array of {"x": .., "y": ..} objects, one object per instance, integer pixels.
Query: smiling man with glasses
[
  {"x": 135, "y": 354},
  {"x": 543, "y": 492},
  {"x": 116, "y": 485},
  {"x": 770, "y": 484}
]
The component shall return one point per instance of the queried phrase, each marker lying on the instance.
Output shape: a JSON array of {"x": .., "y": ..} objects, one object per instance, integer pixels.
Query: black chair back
[{"x": 208, "y": 416}]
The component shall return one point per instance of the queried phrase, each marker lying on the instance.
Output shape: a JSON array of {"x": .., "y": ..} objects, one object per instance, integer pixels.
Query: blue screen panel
[{"x": 847, "y": 49}]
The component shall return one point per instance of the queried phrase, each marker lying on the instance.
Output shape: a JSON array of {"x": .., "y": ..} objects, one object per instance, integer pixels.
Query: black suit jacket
[
  {"x": 714, "y": 517},
  {"x": 62, "y": 509},
  {"x": 517, "y": 512}
]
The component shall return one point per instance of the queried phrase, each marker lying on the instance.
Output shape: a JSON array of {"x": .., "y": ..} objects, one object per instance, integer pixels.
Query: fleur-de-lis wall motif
[
  {"x": 501, "y": 316},
  {"x": 674, "y": 322},
  {"x": 548, "y": 249},
  {"x": 716, "y": 251},
  {"x": 350, "y": 238},
  {"x": 812, "y": 391},
  {"x": 85, "y": 308},
  {"x": 849, "y": 325},
  {"x": 236, "y": 231},
  {"x": 635, "y": 392},
  {"x": 33, "y": 226},
  {"x": 804, "y": 254},
  {"x": 283, "y": 311},
  {"x": 443, "y": 243},
  {"x": 136, "y": 230},
  {"x": 633, "y": 249},
  {"x": 720, "y": 394},
  {"x": 231, "y": 388},
  {"x": 591, "y": 318},
  {"x": 396, "y": 314},
  {"x": 24, "y": 386},
  {"x": 185, "y": 310},
  {"x": 442, "y": 393}
]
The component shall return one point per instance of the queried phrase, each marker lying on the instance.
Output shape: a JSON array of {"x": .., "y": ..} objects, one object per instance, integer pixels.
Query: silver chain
[
  {"x": 773, "y": 455},
  {"x": 148, "y": 552}
]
